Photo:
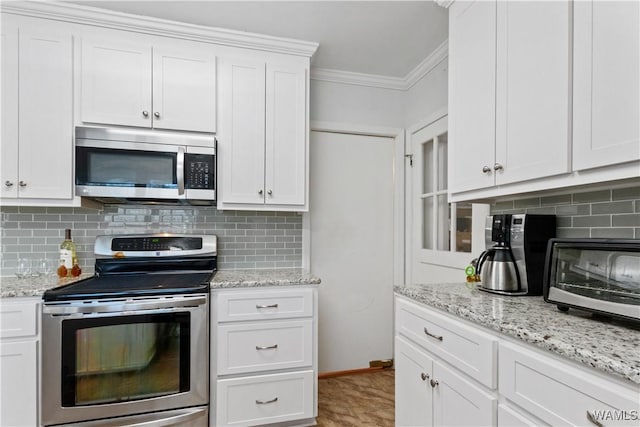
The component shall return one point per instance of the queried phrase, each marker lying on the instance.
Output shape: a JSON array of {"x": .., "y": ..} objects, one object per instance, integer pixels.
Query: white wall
[
  {"x": 354, "y": 104},
  {"x": 427, "y": 96}
]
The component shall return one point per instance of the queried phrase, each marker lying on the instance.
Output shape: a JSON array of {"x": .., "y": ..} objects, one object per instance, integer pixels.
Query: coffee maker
[{"x": 516, "y": 245}]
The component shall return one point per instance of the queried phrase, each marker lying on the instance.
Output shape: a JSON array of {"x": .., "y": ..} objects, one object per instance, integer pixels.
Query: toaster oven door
[{"x": 603, "y": 278}]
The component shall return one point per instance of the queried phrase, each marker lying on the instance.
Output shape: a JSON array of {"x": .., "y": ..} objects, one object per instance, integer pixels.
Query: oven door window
[
  {"x": 125, "y": 168},
  {"x": 124, "y": 358}
]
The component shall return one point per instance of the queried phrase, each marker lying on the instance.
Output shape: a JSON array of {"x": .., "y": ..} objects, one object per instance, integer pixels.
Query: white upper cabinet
[
  {"x": 606, "y": 126},
  {"x": 472, "y": 94},
  {"x": 509, "y": 92},
  {"x": 164, "y": 85},
  {"x": 37, "y": 115},
  {"x": 263, "y": 135}
]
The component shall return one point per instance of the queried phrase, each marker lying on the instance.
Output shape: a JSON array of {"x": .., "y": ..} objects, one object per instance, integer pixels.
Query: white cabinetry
[
  {"x": 509, "y": 91},
  {"x": 430, "y": 392},
  {"x": 264, "y": 366},
  {"x": 606, "y": 83},
  {"x": 164, "y": 84},
  {"x": 19, "y": 348},
  {"x": 263, "y": 136},
  {"x": 37, "y": 123}
]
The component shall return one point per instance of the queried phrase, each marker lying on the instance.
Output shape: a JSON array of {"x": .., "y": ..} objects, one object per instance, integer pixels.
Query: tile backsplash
[
  {"x": 245, "y": 239},
  {"x": 607, "y": 213}
]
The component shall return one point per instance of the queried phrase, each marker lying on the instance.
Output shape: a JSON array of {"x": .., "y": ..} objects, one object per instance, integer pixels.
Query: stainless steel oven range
[{"x": 130, "y": 346}]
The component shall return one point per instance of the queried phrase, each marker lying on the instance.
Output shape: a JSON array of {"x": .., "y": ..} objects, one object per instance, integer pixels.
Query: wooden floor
[{"x": 357, "y": 400}]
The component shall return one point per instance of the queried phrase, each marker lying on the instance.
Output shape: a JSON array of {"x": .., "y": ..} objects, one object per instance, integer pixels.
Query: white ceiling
[{"x": 387, "y": 38}]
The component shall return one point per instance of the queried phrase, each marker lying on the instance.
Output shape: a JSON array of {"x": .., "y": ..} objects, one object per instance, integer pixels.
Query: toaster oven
[{"x": 597, "y": 275}]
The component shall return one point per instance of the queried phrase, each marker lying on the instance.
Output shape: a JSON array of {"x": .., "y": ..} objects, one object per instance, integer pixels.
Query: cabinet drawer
[
  {"x": 470, "y": 350},
  {"x": 252, "y": 347},
  {"x": 561, "y": 394},
  {"x": 265, "y": 399},
  {"x": 19, "y": 318},
  {"x": 264, "y": 304}
]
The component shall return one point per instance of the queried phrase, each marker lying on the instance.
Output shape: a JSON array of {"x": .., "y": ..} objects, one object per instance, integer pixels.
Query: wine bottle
[{"x": 68, "y": 256}]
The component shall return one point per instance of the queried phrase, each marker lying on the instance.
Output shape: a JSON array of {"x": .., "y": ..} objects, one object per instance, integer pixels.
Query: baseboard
[{"x": 332, "y": 374}]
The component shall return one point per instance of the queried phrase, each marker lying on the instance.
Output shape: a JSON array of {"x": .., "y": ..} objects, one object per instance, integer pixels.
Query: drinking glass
[
  {"x": 23, "y": 268},
  {"x": 44, "y": 267}
]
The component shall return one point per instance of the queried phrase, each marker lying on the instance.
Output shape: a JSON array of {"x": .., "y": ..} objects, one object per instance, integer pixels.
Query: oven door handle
[{"x": 125, "y": 306}]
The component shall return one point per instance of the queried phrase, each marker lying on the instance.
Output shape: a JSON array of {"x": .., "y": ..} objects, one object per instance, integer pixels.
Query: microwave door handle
[{"x": 180, "y": 171}]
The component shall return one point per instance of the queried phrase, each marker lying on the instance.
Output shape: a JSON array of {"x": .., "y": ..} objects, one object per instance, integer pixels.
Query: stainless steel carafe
[{"x": 497, "y": 270}]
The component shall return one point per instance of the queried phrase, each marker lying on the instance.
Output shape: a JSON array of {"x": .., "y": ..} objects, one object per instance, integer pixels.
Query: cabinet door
[
  {"x": 532, "y": 93},
  {"x": 413, "y": 391},
  {"x": 286, "y": 135},
  {"x": 19, "y": 386},
  {"x": 472, "y": 84},
  {"x": 45, "y": 114},
  {"x": 116, "y": 83},
  {"x": 242, "y": 130},
  {"x": 9, "y": 146},
  {"x": 606, "y": 127},
  {"x": 184, "y": 84},
  {"x": 458, "y": 402}
]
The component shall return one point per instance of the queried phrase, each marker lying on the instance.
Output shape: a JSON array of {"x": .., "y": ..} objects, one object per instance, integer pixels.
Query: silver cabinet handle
[
  {"x": 260, "y": 192},
  {"x": 486, "y": 169},
  {"x": 264, "y": 402},
  {"x": 267, "y": 347},
  {"x": 269, "y": 192},
  {"x": 593, "y": 419},
  {"x": 498, "y": 167},
  {"x": 424, "y": 376},
  {"x": 22, "y": 184},
  {"x": 156, "y": 115},
  {"x": 438, "y": 337},
  {"x": 145, "y": 113},
  {"x": 8, "y": 183},
  {"x": 266, "y": 306},
  {"x": 434, "y": 383}
]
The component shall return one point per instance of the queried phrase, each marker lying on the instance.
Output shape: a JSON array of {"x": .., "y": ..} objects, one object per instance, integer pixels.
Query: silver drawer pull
[
  {"x": 267, "y": 306},
  {"x": 593, "y": 420},
  {"x": 266, "y": 347},
  {"x": 438, "y": 337},
  {"x": 265, "y": 402}
]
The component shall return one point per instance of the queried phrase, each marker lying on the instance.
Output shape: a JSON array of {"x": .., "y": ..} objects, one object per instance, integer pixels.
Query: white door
[
  {"x": 45, "y": 114},
  {"x": 352, "y": 247},
  {"x": 532, "y": 93},
  {"x": 242, "y": 131},
  {"x": 9, "y": 126},
  {"x": 413, "y": 390},
  {"x": 286, "y": 140},
  {"x": 472, "y": 101},
  {"x": 116, "y": 83},
  {"x": 606, "y": 127},
  {"x": 184, "y": 88},
  {"x": 19, "y": 387}
]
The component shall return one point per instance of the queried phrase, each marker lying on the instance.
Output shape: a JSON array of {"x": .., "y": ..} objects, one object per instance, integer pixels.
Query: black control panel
[
  {"x": 155, "y": 243},
  {"x": 199, "y": 170}
]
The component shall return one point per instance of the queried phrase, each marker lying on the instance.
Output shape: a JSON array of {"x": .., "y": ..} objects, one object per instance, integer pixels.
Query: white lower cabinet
[
  {"x": 436, "y": 387},
  {"x": 264, "y": 344},
  {"x": 19, "y": 343}
]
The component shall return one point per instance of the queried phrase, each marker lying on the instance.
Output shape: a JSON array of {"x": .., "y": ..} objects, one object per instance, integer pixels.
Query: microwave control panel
[{"x": 199, "y": 171}]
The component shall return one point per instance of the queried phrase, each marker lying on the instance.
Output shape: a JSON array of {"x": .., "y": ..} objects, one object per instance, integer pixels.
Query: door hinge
[{"x": 410, "y": 156}]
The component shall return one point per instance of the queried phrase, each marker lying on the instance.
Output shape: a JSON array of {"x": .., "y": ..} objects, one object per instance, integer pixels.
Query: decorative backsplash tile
[
  {"x": 604, "y": 213},
  {"x": 245, "y": 239}
]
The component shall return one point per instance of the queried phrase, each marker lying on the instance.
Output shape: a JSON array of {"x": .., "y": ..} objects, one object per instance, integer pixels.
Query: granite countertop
[
  {"x": 11, "y": 287},
  {"x": 256, "y": 278},
  {"x": 609, "y": 345}
]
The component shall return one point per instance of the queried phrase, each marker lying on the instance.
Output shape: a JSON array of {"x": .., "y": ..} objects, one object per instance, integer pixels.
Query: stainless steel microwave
[
  {"x": 598, "y": 275},
  {"x": 117, "y": 165}
]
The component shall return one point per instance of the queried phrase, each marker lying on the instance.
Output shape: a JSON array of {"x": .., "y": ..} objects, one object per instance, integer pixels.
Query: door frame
[{"x": 398, "y": 136}]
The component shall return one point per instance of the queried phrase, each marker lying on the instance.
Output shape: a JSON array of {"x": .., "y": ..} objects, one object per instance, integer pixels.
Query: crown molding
[
  {"x": 384, "y": 82},
  {"x": 144, "y": 24},
  {"x": 444, "y": 3}
]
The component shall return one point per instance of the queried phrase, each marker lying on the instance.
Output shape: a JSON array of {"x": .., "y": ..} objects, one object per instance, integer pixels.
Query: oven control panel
[{"x": 154, "y": 245}]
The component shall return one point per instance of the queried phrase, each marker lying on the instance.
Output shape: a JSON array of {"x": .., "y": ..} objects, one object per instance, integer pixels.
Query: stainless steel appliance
[
  {"x": 130, "y": 346},
  {"x": 514, "y": 259},
  {"x": 598, "y": 275},
  {"x": 115, "y": 165}
]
